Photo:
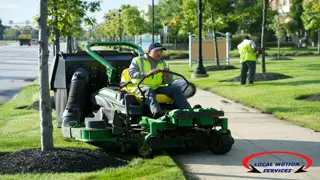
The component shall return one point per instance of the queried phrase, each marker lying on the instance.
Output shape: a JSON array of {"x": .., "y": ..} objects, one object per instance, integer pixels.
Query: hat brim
[{"x": 158, "y": 48}]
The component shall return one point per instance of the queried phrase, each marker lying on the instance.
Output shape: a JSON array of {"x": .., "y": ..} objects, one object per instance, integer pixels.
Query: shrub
[
  {"x": 282, "y": 44},
  {"x": 176, "y": 55},
  {"x": 238, "y": 38}
]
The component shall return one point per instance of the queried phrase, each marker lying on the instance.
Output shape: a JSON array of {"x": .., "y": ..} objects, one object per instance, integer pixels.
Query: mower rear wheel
[{"x": 220, "y": 143}]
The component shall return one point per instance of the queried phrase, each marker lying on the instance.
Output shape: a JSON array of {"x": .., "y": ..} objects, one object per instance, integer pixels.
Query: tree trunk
[
  {"x": 175, "y": 42},
  {"x": 264, "y": 17},
  {"x": 57, "y": 41},
  {"x": 319, "y": 41},
  {"x": 56, "y": 31},
  {"x": 69, "y": 44},
  {"x": 216, "y": 47},
  {"x": 186, "y": 42},
  {"x": 45, "y": 102},
  {"x": 278, "y": 47},
  {"x": 54, "y": 48},
  {"x": 306, "y": 36}
]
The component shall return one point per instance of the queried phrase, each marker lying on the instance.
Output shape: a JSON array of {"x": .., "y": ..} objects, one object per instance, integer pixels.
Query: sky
[{"x": 21, "y": 11}]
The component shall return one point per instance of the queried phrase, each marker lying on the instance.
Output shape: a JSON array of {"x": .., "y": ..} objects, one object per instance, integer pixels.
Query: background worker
[{"x": 248, "y": 59}]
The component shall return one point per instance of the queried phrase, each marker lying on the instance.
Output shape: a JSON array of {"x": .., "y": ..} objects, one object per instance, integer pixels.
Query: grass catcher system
[{"x": 93, "y": 105}]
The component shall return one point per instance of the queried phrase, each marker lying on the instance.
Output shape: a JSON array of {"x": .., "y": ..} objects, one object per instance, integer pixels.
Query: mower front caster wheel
[
  {"x": 146, "y": 152},
  {"x": 220, "y": 143}
]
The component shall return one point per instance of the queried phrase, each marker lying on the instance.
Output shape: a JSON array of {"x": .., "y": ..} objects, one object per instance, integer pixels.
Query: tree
[
  {"x": 171, "y": 16},
  {"x": 12, "y": 34},
  {"x": 157, "y": 19},
  {"x": 111, "y": 24},
  {"x": 34, "y": 33},
  {"x": 189, "y": 13},
  {"x": 279, "y": 27},
  {"x": 296, "y": 24},
  {"x": 311, "y": 17},
  {"x": 1, "y": 29},
  {"x": 64, "y": 15},
  {"x": 251, "y": 10},
  {"x": 217, "y": 14},
  {"x": 174, "y": 27},
  {"x": 263, "y": 25},
  {"x": 45, "y": 103},
  {"x": 132, "y": 21}
]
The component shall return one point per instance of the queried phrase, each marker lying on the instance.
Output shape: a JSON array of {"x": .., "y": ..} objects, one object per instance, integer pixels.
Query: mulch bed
[
  {"x": 57, "y": 160},
  {"x": 220, "y": 68},
  {"x": 262, "y": 77},
  {"x": 35, "y": 105},
  {"x": 315, "y": 97}
]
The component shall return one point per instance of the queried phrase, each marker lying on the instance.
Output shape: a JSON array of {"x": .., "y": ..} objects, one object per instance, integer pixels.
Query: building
[{"x": 283, "y": 6}]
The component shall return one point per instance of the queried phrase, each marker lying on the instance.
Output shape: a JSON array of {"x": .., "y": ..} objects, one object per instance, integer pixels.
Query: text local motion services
[{"x": 277, "y": 164}]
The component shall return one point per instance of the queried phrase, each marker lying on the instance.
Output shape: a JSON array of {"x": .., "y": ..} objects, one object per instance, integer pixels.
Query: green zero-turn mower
[{"x": 92, "y": 105}]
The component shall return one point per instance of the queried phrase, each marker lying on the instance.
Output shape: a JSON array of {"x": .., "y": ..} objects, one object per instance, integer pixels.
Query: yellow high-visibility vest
[
  {"x": 247, "y": 52},
  {"x": 145, "y": 67}
]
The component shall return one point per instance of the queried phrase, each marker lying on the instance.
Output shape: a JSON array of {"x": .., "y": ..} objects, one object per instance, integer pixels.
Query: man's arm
[
  {"x": 253, "y": 45},
  {"x": 168, "y": 77},
  {"x": 134, "y": 70}
]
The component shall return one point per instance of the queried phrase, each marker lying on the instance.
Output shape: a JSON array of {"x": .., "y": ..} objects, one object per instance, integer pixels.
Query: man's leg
[
  {"x": 244, "y": 71},
  {"x": 151, "y": 100},
  {"x": 252, "y": 71},
  {"x": 176, "y": 94}
]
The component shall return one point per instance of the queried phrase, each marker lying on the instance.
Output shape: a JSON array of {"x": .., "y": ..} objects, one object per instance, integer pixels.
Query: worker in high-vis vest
[
  {"x": 152, "y": 62},
  {"x": 248, "y": 59}
]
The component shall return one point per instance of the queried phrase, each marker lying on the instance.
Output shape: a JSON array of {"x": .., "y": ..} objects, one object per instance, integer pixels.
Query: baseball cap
[{"x": 156, "y": 46}]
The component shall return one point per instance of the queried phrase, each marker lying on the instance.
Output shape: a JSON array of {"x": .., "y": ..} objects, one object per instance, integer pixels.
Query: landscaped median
[
  {"x": 20, "y": 132},
  {"x": 295, "y": 98},
  {"x": 2, "y": 43}
]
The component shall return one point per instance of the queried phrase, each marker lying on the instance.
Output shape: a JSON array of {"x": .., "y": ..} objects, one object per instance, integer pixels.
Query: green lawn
[
  {"x": 276, "y": 97},
  {"x": 19, "y": 129},
  {"x": 284, "y": 51}
]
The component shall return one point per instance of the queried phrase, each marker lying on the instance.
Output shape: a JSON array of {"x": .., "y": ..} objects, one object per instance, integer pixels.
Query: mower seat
[{"x": 161, "y": 98}]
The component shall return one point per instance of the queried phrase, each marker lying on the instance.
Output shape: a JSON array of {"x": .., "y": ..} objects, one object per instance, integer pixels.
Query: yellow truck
[{"x": 25, "y": 39}]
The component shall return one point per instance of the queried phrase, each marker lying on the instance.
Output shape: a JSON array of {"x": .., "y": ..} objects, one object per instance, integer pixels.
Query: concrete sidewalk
[{"x": 253, "y": 132}]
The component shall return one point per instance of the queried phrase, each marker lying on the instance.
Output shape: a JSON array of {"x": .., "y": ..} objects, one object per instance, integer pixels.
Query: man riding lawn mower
[
  {"x": 153, "y": 66},
  {"x": 119, "y": 98}
]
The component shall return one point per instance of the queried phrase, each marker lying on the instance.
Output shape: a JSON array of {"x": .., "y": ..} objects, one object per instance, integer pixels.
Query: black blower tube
[{"x": 76, "y": 100}]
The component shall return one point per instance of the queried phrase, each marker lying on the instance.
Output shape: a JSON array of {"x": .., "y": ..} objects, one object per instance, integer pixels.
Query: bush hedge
[
  {"x": 176, "y": 55},
  {"x": 183, "y": 55},
  {"x": 282, "y": 44},
  {"x": 283, "y": 53},
  {"x": 237, "y": 39}
]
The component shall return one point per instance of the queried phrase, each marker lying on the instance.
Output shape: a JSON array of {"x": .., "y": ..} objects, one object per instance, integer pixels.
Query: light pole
[
  {"x": 200, "y": 71},
  {"x": 319, "y": 41},
  {"x": 119, "y": 13},
  {"x": 152, "y": 21}
]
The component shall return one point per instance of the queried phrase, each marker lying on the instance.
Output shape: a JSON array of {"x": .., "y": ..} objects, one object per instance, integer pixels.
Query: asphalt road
[{"x": 18, "y": 68}]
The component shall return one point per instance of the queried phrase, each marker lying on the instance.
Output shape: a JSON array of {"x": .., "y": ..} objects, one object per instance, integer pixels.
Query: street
[{"x": 18, "y": 68}]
